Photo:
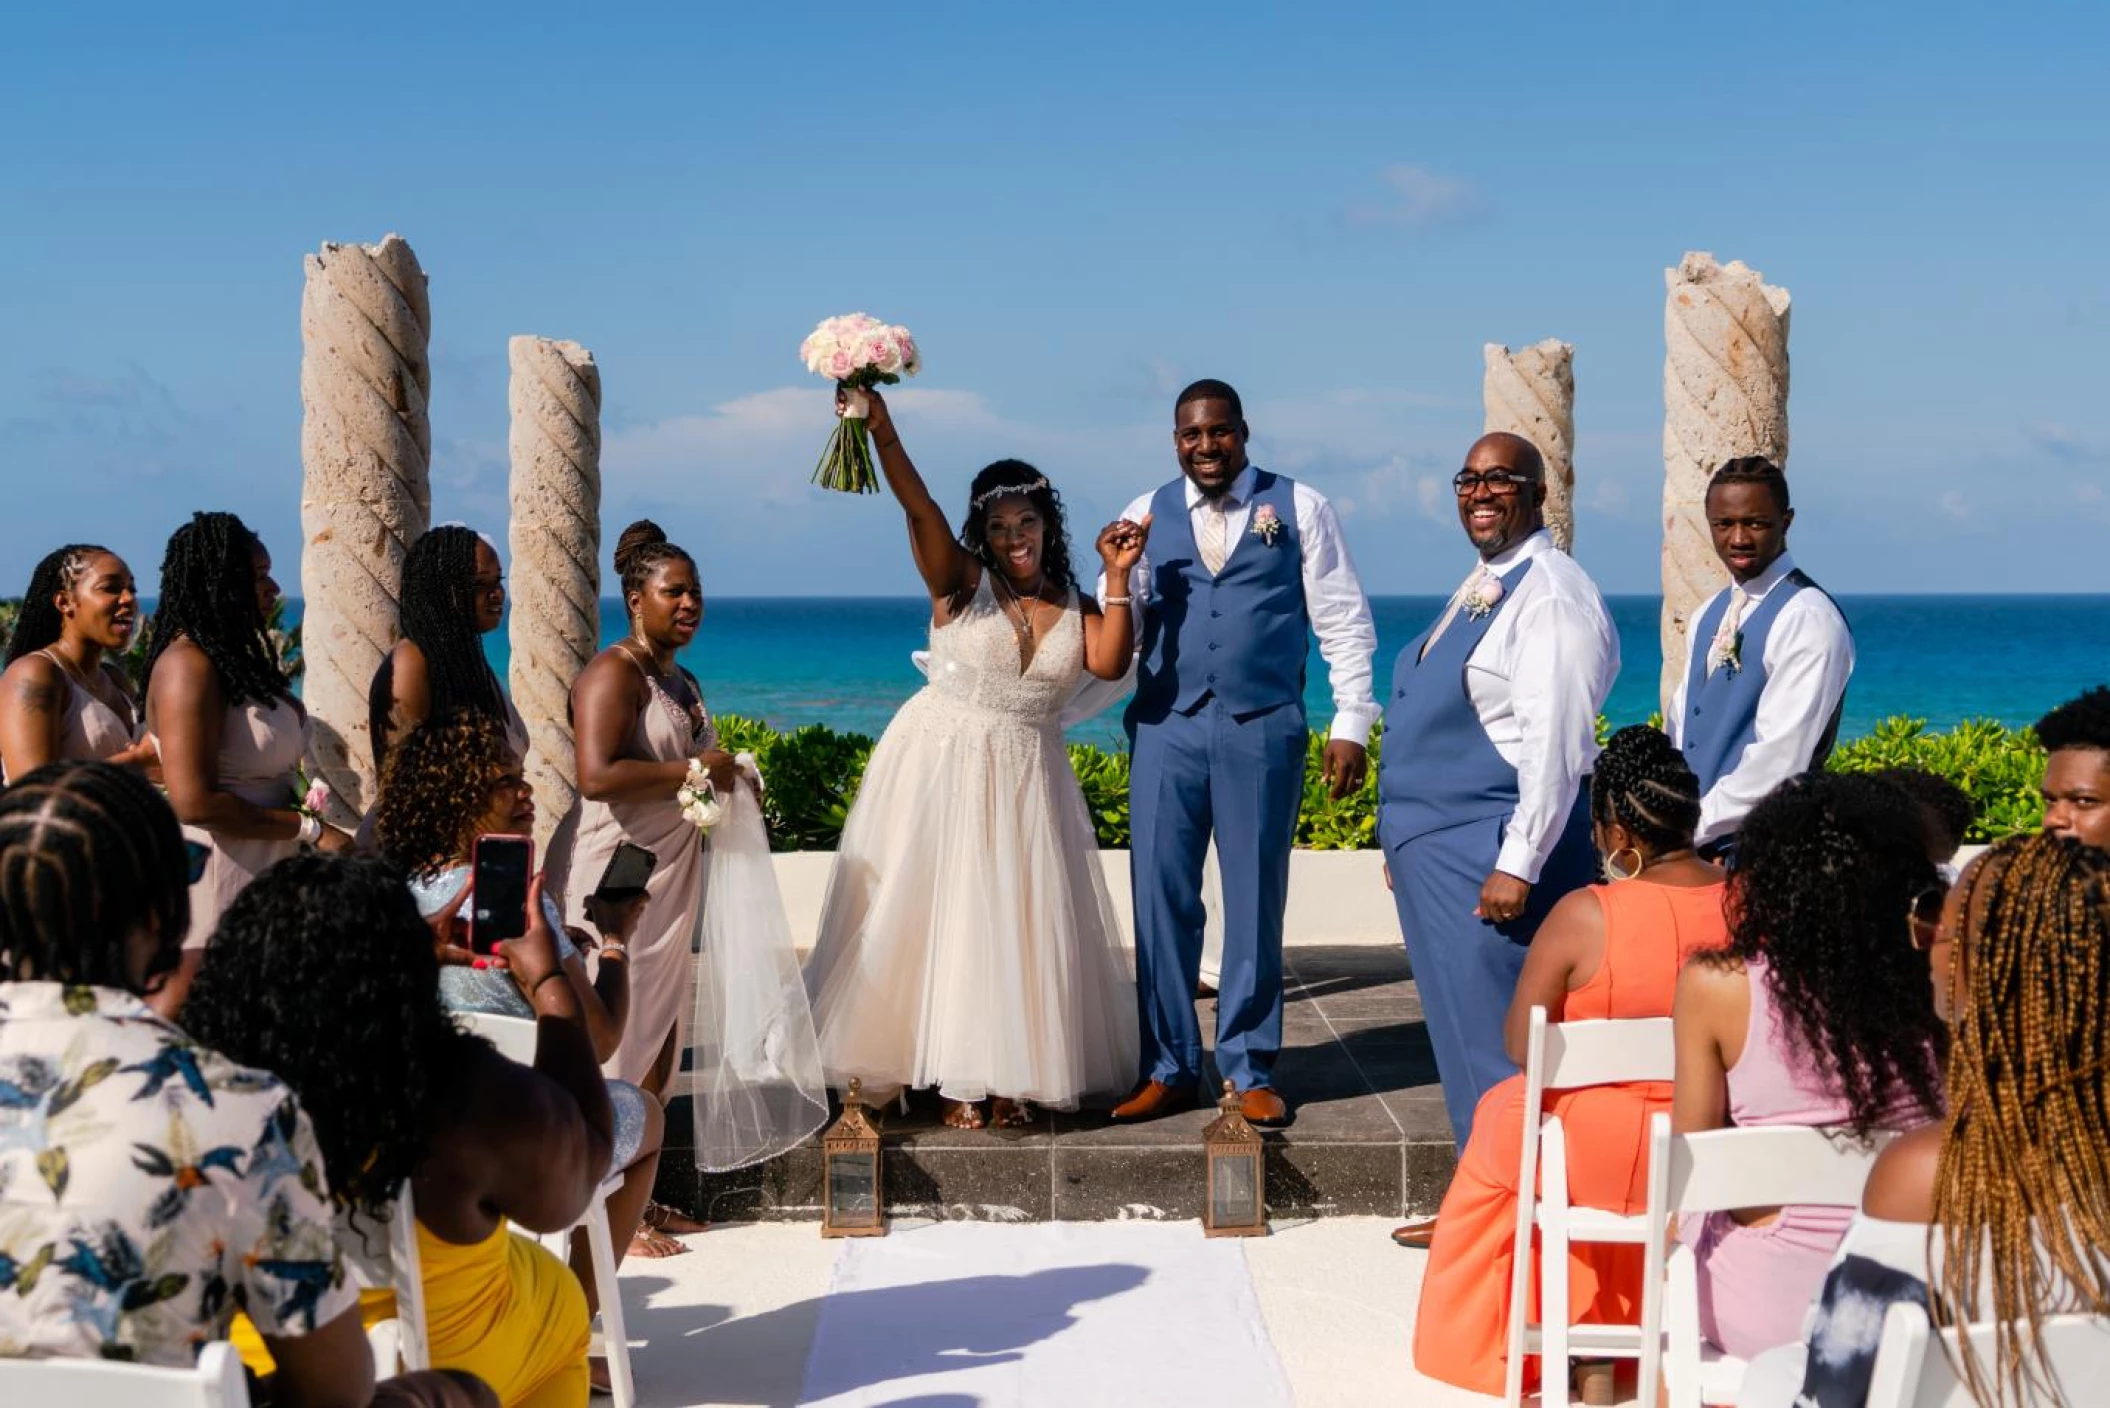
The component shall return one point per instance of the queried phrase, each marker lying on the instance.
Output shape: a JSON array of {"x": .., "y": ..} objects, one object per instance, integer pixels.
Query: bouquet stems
[{"x": 846, "y": 461}]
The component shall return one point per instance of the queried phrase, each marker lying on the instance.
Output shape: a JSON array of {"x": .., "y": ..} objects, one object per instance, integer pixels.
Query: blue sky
[{"x": 1077, "y": 211}]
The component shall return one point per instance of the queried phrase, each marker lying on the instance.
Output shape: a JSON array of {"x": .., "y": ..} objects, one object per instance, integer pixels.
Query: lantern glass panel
[
  {"x": 1233, "y": 1195},
  {"x": 853, "y": 1188}
]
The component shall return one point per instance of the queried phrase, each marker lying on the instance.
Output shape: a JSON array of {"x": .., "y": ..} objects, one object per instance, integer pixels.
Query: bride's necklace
[{"x": 1013, "y": 605}]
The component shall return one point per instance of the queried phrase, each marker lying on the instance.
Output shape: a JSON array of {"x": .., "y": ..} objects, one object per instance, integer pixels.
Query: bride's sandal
[
  {"x": 660, "y": 1217},
  {"x": 650, "y": 1244},
  {"x": 959, "y": 1114},
  {"x": 1012, "y": 1114}
]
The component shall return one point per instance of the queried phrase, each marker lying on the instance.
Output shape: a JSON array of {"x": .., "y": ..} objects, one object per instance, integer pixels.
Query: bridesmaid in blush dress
[
  {"x": 230, "y": 732},
  {"x": 639, "y": 721},
  {"x": 63, "y": 697}
]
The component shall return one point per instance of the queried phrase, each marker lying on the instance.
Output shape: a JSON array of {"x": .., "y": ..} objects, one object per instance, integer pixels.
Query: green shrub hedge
[{"x": 813, "y": 774}]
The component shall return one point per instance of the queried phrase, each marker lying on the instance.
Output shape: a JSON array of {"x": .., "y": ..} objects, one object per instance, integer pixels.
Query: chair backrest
[
  {"x": 1767, "y": 1166},
  {"x": 513, "y": 1036},
  {"x": 1915, "y": 1368},
  {"x": 412, "y": 1346},
  {"x": 1577, "y": 1054},
  {"x": 214, "y": 1382}
]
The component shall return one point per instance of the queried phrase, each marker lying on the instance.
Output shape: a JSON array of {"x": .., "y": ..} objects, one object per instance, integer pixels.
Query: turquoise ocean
[{"x": 845, "y": 662}]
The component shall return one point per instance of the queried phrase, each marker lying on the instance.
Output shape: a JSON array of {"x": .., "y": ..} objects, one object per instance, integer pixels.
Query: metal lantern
[
  {"x": 1237, "y": 1201},
  {"x": 850, "y": 1172}
]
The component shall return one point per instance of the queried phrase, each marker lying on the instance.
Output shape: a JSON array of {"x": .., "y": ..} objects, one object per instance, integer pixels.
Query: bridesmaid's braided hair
[
  {"x": 1643, "y": 783},
  {"x": 208, "y": 594},
  {"x": 438, "y": 614},
  {"x": 39, "y": 623}
]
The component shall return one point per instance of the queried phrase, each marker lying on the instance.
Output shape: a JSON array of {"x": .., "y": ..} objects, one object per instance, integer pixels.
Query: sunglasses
[{"x": 195, "y": 854}]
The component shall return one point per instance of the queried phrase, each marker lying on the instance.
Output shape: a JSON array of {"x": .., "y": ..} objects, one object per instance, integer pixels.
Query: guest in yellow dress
[{"x": 349, "y": 1016}]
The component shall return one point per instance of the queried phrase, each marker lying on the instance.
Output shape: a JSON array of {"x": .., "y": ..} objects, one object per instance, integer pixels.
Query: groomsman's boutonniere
[
  {"x": 1727, "y": 652},
  {"x": 1267, "y": 525},
  {"x": 1481, "y": 594}
]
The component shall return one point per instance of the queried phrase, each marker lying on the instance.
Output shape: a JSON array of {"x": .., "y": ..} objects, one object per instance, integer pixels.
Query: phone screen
[{"x": 498, "y": 903}]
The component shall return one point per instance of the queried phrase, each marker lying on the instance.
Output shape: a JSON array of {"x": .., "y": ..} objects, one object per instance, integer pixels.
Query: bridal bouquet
[{"x": 857, "y": 352}]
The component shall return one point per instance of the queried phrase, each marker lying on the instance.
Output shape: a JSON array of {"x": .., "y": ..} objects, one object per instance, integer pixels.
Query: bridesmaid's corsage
[
  {"x": 699, "y": 802},
  {"x": 314, "y": 803},
  {"x": 1267, "y": 524}
]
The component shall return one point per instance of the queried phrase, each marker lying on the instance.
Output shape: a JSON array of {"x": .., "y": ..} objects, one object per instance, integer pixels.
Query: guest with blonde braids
[
  {"x": 1608, "y": 950},
  {"x": 2004, "y": 1200}
]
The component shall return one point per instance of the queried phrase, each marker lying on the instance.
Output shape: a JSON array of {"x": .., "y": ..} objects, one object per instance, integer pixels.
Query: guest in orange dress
[{"x": 1611, "y": 950}]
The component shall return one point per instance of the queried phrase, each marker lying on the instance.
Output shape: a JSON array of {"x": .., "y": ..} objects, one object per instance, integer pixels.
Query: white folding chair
[
  {"x": 1910, "y": 1372},
  {"x": 1718, "y": 1170},
  {"x": 1568, "y": 1056},
  {"x": 214, "y": 1382},
  {"x": 400, "y": 1345},
  {"x": 515, "y": 1039}
]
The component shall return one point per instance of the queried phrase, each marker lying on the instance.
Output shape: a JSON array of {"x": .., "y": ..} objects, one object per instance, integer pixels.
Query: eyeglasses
[
  {"x": 1498, "y": 481},
  {"x": 1923, "y": 916},
  {"x": 195, "y": 854}
]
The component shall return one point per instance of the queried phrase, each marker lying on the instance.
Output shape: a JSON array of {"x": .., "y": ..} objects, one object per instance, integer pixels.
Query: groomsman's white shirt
[
  {"x": 1538, "y": 679},
  {"x": 1333, "y": 594},
  {"x": 1809, "y": 657}
]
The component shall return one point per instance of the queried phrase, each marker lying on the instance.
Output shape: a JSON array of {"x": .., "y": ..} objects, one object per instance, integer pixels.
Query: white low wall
[{"x": 1335, "y": 897}]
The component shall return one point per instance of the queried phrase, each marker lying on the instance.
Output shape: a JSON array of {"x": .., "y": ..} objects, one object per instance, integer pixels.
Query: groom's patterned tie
[{"x": 1216, "y": 535}]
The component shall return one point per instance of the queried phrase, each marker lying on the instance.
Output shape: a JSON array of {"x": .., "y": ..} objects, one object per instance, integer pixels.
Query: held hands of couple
[{"x": 1120, "y": 547}]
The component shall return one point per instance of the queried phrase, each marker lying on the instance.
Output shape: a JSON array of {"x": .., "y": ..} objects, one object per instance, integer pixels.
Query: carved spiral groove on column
[
  {"x": 366, "y": 453},
  {"x": 1725, "y": 394},
  {"x": 1532, "y": 393},
  {"x": 555, "y": 445}
]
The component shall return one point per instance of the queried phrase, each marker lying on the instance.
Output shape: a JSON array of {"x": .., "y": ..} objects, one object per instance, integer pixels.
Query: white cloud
[
  {"x": 1956, "y": 505},
  {"x": 1416, "y": 199}
]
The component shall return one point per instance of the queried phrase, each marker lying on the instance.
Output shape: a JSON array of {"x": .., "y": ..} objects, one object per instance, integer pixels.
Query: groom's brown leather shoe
[
  {"x": 1155, "y": 1098},
  {"x": 1263, "y": 1108}
]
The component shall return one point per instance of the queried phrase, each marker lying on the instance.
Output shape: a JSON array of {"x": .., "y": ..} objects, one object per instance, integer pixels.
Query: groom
[{"x": 1242, "y": 564}]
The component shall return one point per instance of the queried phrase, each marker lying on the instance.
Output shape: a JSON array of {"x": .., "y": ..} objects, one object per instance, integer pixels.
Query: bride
[{"x": 967, "y": 941}]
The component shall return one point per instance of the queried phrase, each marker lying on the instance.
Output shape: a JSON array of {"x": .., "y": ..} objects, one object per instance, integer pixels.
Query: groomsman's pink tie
[{"x": 1216, "y": 537}]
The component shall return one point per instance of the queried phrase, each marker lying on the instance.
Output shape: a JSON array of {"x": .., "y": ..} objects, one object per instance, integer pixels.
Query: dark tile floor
[{"x": 1370, "y": 1134}]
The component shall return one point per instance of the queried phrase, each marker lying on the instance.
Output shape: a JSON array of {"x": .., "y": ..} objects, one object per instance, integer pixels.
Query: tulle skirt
[{"x": 968, "y": 941}]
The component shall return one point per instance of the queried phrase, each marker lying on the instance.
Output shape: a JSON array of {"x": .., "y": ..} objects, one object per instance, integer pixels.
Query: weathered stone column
[
  {"x": 366, "y": 451},
  {"x": 555, "y": 444},
  {"x": 1532, "y": 393},
  {"x": 1725, "y": 394}
]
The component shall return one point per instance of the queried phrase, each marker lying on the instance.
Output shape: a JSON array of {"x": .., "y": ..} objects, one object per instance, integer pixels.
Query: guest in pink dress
[
  {"x": 63, "y": 696},
  {"x": 1816, "y": 1013},
  {"x": 230, "y": 731}
]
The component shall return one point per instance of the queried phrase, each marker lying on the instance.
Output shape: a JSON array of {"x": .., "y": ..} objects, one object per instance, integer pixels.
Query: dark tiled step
[{"x": 1370, "y": 1135}]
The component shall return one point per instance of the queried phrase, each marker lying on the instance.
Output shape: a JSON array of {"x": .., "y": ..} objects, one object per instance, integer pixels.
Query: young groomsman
[
  {"x": 1483, "y": 782},
  {"x": 2076, "y": 738},
  {"x": 1767, "y": 659}
]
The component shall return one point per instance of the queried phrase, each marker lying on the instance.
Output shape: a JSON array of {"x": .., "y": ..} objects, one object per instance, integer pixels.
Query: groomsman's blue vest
[
  {"x": 1437, "y": 769},
  {"x": 1721, "y": 706},
  {"x": 1239, "y": 635}
]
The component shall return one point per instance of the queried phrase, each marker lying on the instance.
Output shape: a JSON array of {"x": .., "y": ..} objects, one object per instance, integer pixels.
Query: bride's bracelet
[{"x": 1115, "y": 600}]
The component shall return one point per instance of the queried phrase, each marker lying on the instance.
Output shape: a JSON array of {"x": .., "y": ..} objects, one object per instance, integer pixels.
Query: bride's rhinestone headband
[{"x": 983, "y": 500}]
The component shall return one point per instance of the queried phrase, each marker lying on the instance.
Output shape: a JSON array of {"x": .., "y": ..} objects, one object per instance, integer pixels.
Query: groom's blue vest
[
  {"x": 1239, "y": 635},
  {"x": 1721, "y": 706}
]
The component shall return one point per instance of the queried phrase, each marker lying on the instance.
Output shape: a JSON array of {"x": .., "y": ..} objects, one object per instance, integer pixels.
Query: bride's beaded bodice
[{"x": 974, "y": 659}]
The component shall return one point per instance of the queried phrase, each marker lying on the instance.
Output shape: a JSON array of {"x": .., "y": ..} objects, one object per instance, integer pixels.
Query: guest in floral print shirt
[{"x": 149, "y": 1187}]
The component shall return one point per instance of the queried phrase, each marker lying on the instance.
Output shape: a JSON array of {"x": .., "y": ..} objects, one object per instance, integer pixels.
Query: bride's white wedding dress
[{"x": 967, "y": 941}]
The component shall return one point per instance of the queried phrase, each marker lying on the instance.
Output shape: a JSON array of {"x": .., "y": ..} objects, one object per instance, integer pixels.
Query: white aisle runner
[{"x": 1051, "y": 1315}]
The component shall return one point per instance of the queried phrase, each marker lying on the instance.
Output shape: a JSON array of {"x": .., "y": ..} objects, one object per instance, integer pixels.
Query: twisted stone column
[
  {"x": 1725, "y": 394},
  {"x": 1532, "y": 393},
  {"x": 555, "y": 445},
  {"x": 366, "y": 451}
]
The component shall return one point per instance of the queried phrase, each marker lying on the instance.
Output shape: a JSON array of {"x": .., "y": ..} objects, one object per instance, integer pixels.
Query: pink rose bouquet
[{"x": 857, "y": 352}]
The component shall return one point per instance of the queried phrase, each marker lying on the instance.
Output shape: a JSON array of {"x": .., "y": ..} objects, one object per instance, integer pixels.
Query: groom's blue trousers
[{"x": 1243, "y": 779}]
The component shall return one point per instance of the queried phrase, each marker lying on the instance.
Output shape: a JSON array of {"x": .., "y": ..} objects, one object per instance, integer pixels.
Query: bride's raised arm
[{"x": 939, "y": 556}]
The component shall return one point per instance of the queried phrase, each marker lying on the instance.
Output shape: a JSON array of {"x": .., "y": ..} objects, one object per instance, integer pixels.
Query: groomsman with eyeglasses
[
  {"x": 1490, "y": 736},
  {"x": 1767, "y": 659}
]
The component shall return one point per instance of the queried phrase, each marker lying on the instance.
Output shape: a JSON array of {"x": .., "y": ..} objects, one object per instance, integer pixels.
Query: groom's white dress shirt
[
  {"x": 1538, "y": 679},
  {"x": 1333, "y": 594},
  {"x": 1809, "y": 658}
]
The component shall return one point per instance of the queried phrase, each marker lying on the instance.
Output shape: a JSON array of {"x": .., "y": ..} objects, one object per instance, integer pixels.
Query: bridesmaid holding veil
[{"x": 967, "y": 941}]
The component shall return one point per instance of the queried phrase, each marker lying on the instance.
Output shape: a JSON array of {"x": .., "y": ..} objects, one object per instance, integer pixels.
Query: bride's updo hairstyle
[
  {"x": 1011, "y": 479},
  {"x": 642, "y": 550}
]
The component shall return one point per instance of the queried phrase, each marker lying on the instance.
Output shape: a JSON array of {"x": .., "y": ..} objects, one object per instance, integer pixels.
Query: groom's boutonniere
[
  {"x": 1726, "y": 652},
  {"x": 1481, "y": 594},
  {"x": 1267, "y": 525}
]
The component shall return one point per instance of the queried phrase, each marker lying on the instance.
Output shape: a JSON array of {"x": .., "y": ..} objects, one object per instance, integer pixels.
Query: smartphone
[
  {"x": 628, "y": 871},
  {"x": 499, "y": 875}
]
